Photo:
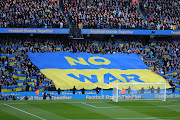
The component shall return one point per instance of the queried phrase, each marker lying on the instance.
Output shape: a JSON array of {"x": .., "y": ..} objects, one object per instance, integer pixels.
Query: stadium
[{"x": 89, "y": 59}]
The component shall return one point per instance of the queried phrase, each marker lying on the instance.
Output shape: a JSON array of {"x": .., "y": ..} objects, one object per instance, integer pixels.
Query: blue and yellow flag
[
  {"x": 86, "y": 70},
  {"x": 96, "y": 43},
  {"x": 41, "y": 88}
]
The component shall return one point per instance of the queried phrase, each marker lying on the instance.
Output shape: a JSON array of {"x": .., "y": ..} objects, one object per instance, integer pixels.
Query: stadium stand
[
  {"x": 100, "y": 14},
  {"x": 19, "y": 74},
  {"x": 31, "y": 14},
  {"x": 118, "y": 14},
  {"x": 162, "y": 14}
]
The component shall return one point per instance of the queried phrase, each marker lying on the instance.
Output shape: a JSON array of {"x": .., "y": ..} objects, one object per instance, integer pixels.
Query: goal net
[{"x": 139, "y": 91}]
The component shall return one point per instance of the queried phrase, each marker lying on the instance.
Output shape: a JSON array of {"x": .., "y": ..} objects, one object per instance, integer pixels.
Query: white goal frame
[{"x": 115, "y": 96}]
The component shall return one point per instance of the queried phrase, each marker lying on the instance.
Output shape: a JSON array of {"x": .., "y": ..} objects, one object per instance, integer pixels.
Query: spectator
[
  {"x": 31, "y": 14},
  {"x": 165, "y": 54},
  {"x": 104, "y": 14}
]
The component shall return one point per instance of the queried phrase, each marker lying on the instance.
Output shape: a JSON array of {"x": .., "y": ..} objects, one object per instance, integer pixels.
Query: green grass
[{"x": 89, "y": 110}]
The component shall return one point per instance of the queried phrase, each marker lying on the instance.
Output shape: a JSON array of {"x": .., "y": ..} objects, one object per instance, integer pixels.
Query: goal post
[{"x": 139, "y": 91}]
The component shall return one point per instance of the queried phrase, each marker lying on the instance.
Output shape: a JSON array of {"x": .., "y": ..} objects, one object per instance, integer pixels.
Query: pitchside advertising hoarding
[
  {"x": 90, "y": 31},
  {"x": 91, "y": 94}
]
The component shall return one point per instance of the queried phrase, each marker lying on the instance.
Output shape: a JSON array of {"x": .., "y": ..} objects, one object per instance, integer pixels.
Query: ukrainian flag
[
  {"x": 47, "y": 47},
  {"x": 126, "y": 43},
  {"x": 11, "y": 63},
  {"x": 158, "y": 69},
  {"x": 3, "y": 56},
  {"x": 19, "y": 70},
  {"x": 20, "y": 82},
  {"x": 18, "y": 88},
  {"x": 41, "y": 88},
  {"x": 86, "y": 70},
  {"x": 153, "y": 43},
  {"x": 170, "y": 72},
  {"x": 166, "y": 55},
  {"x": 174, "y": 73},
  {"x": 151, "y": 67},
  {"x": 4, "y": 89},
  {"x": 101, "y": 46},
  {"x": 3, "y": 47},
  {"x": 15, "y": 75},
  {"x": 21, "y": 76},
  {"x": 34, "y": 78},
  {"x": 147, "y": 48},
  {"x": 31, "y": 83},
  {"x": 157, "y": 46},
  {"x": 121, "y": 44},
  {"x": 31, "y": 88},
  {"x": 9, "y": 88},
  {"x": 58, "y": 47},
  {"x": 11, "y": 57},
  {"x": 140, "y": 55},
  {"x": 96, "y": 43},
  {"x": 166, "y": 74}
]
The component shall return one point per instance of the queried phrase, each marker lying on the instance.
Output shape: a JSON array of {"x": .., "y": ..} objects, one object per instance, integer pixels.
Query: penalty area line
[
  {"x": 24, "y": 111},
  {"x": 126, "y": 106},
  {"x": 97, "y": 107},
  {"x": 89, "y": 105}
]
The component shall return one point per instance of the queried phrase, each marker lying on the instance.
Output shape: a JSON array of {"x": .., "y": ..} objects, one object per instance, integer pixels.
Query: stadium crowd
[
  {"x": 118, "y": 14},
  {"x": 162, "y": 14},
  {"x": 31, "y": 14},
  {"x": 17, "y": 73},
  {"x": 89, "y": 14}
]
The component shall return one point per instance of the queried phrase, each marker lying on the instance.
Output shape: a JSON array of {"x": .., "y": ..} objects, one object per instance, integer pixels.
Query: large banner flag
[{"x": 86, "y": 70}]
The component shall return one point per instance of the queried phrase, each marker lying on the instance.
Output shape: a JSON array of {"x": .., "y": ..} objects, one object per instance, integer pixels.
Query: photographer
[
  {"x": 5, "y": 98},
  {"x": 26, "y": 98},
  {"x": 74, "y": 90},
  {"x": 97, "y": 90},
  {"x": 1, "y": 96},
  {"x": 44, "y": 96},
  {"x": 15, "y": 98}
]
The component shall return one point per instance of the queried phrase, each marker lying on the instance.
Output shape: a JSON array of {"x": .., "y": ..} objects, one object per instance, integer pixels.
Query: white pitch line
[
  {"x": 124, "y": 106},
  {"x": 89, "y": 105},
  {"x": 24, "y": 112},
  {"x": 96, "y": 106}
]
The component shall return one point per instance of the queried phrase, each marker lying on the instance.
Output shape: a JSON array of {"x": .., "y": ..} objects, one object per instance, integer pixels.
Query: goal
[{"x": 139, "y": 91}]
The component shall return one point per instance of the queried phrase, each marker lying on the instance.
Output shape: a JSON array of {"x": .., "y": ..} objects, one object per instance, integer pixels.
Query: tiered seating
[
  {"x": 118, "y": 14},
  {"x": 17, "y": 73},
  {"x": 162, "y": 14},
  {"x": 31, "y": 14}
]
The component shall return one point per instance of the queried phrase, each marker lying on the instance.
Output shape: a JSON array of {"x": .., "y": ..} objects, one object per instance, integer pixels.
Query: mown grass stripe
[{"x": 25, "y": 112}]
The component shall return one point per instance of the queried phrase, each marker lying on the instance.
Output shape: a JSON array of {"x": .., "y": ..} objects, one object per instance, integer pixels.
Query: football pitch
[{"x": 90, "y": 110}]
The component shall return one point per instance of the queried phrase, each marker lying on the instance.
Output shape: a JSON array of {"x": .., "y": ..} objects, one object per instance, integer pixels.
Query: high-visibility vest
[
  {"x": 135, "y": 1},
  {"x": 37, "y": 92},
  {"x": 122, "y": 91}
]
